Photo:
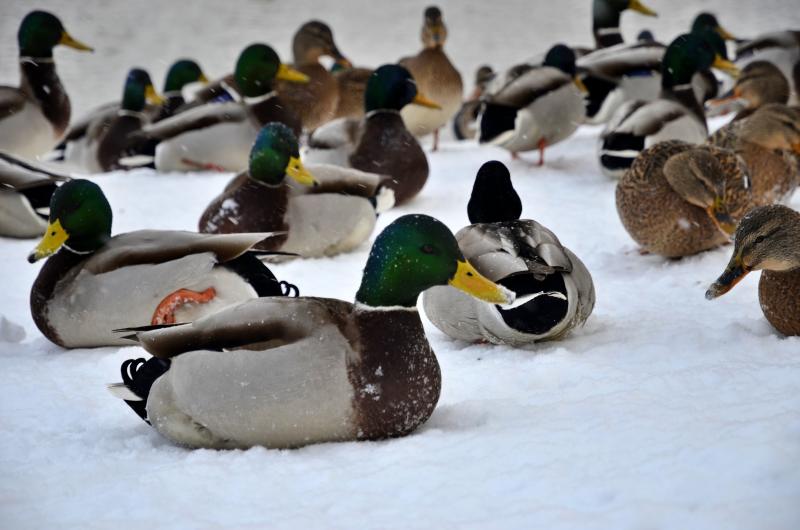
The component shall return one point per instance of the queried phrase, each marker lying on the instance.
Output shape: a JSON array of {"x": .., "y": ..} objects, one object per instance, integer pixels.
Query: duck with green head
[
  {"x": 323, "y": 211},
  {"x": 83, "y": 292},
  {"x": 183, "y": 72},
  {"x": 606, "y": 16},
  {"x": 35, "y": 115},
  {"x": 675, "y": 115},
  {"x": 288, "y": 372},
  {"x": 379, "y": 143},
  {"x": 218, "y": 136}
]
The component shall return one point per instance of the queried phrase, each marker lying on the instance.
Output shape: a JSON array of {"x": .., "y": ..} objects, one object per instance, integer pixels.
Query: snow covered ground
[{"x": 664, "y": 411}]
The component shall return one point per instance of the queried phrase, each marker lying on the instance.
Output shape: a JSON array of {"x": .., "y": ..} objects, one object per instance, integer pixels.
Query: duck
[
  {"x": 352, "y": 85},
  {"x": 679, "y": 199},
  {"x": 464, "y": 122},
  {"x": 218, "y": 136},
  {"x": 554, "y": 289},
  {"x": 289, "y": 372},
  {"x": 25, "y": 192},
  {"x": 332, "y": 211},
  {"x": 781, "y": 48},
  {"x": 182, "y": 73},
  {"x": 36, "y": 114},
  {"x": 606, "y": 16},
  {"x": 83, "y": 291},
  {"x": 760, "y": 83},
  {"x": 534, "y": 107},
  {"x": 768, "y": 239},
  {"x": 435, "y": 76},
  {"x": 677, "y": 114},
  {"x": 769, "y": 143},
  {"x": 314, "y": 102},
  {"x": 104, "y": 139},
  {"x": 380, "y": 142}
]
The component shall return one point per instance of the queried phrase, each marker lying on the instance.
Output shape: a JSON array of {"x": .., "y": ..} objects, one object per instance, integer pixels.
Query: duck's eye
[
  {"x": 428, "y": 249},
  {"x": 759, "y": 239}
]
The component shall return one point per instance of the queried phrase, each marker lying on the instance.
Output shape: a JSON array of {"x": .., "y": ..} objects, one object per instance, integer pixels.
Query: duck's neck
[
  {"x": 685, "y": 95},
  {"x": 39, "y": 80},
  {"x": 605, "y": 25}
]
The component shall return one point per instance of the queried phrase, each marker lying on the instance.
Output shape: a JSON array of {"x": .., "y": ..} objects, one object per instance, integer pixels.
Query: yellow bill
[
  {"x": 580, "y": 85},
  {"x": 203, "y": 78},
  {"x": 298, "y": 172},
  {"x": 152, "y": 96},
  {"x": 639, "y": 7},
  {"x": 50, "y": 243},
  {"x": 472, "y": 282},
  {"x": 422, "y": 100},
  {"x": 726, "y": 66},
  {"x": 722, "y": 32},
  {"x": 67, "y": 40},
  {"x": 287, "y": 73}
]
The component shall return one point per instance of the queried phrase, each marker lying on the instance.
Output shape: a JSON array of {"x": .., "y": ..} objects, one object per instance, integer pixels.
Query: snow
[{"x": 664, "y": 411}]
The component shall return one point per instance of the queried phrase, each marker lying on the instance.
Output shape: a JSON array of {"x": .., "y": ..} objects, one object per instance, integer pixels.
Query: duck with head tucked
[
  {"x": 288, "y": 372},
  {"x": 324, "y": 211},
  {"x": 554, "y": 290},
  {"x": 436, "y": 77},
  {"x": 35, "y": 115},
  {"x": 768, "y": 239},
  {"x": 93, "y": 283},
  {"x": 380, "y": 142},
  {"x": 464, "y": 122}
]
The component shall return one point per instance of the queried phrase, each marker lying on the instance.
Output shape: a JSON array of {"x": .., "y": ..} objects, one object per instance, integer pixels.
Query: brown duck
[{"x": 759, "y": 84}]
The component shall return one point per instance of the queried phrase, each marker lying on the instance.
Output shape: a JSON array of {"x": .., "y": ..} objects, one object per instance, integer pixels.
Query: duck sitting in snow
[
  {"x": 436, "y": 77},
  {"x": 679, "y": 199},
  {"x": 554, "y": 290},
  {"x": 677, "y": 114},
  {"x": 25, "y": 192},
  {"x": 333, "y": 209},
  {"x": 100, "y": 145},
  {"x": 288, "y": 372},
  {"x": 95, "y": 283},
  {"x": 380, "y": 142},
  {"x": 768, "y": 239},
  {"x": 218, "y": 136},
  {"x": 533, "y": 107},
  {"x": 760, "y": 83},
  {"x": 34, "y": 116}
]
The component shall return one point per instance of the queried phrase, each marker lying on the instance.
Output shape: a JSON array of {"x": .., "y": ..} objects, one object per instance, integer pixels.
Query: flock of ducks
[{"x": 238, "y": 357}]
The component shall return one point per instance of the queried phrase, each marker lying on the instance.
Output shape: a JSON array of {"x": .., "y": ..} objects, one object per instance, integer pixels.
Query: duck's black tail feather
[
  {"x": 138, "y": 376},
  {"x": 599, "y": 89},
  {"x": 495, "y": 120},
  {"x": 620, "y": 150}
]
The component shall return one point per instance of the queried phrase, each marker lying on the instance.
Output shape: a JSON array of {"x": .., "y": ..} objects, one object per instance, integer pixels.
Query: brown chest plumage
[
  {"x": 40, "y": 82},
  {"x": 313, "y": 102},
  {"x": 55, "y": 269},
  {"x": 779, "y": 295},
  {"x": 114, "y": 142}
]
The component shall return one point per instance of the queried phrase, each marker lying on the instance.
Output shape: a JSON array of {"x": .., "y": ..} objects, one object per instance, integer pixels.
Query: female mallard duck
[
  {"x": 219, "y": 136},
  {"x": 34, "y": 116},
  {"x": 380, "y": 143},
  {"x": 95, "y": 283},
  {"x": 769, "y": 143},
  {"x": 314, "y": 102},
  {"x": 768, "y": 239},
  {"x": 675, "y": 115},
  {"x": 464, "y": 122},
  {"x": 679, "y": 199},
  {"x": 534, "y": 107},
  {"x": 554, "y": 289},
  {"x": 435, "y": 76},
  {"x": 333, "y": 211},
  {"x": 288, "y": 372},
  {"x": 104, "y": 140},
  {"x": 759, "y": 84},
  {"x": 781, "y": 48},
  {"x": 352, "y": 85},
  {"x": 25, "y": 191}
]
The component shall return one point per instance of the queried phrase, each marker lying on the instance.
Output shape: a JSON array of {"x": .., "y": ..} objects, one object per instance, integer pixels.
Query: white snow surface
[{"x": 664, "y": 411}]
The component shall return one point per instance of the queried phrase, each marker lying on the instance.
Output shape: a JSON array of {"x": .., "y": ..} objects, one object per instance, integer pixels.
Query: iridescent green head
[
  {"x": 257, "y": 68},
  {"x": 391, "y": 87},
  {"x": 709, "y": 22},
  {"x": 415, "y": 253},
  {"x": 687, "y": 55},
  {"x": 40, "y": 32},
  {"x": 275, "y": 154},
  {"x": 561, "y": 57},
  {"x": 80, "y": 219},
  {"x": 138, "y": 90},
  {"x": 606, "y": 13},
  {"x": 182, "y": 73}
]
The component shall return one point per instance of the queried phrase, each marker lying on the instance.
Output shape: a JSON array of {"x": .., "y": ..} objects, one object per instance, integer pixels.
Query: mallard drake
[
  {"x": 554, "y": 290},
  {"x": 606, "y": 16},
  {"x": 182, "y": 73},
  {"x": 679, "y": 199},
  {"x": 435, "y": 76},
  {"x": 95, "y": 283},
  {"x": 283, "y": 372},
  {"x": 25, "y": 191},
  {"x": 380, "y": 143},
  {"x": 464, "y": 122},
  {"x": 534, "y": 107},
  {"x": 768, "y": 239},
  {"x": 769, "y": 143},
  {"x": 34, "y": 116},
  {"x": 103, "y": 141},
  {"x": 332, "y": 211},
  {"x": 781, "y": 48},
  {"x": 219, "y": 136},
  {"x": 314, "y": 102},
  {"x": 760, "y": 83},
  {"x": 675, "y": 115}
]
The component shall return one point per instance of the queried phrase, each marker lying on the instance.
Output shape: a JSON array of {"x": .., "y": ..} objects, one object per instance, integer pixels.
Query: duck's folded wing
[
  {"x": 103, "y": 113},
  {"x": 19, "y": 175},
  {"x": 778, "y": 39},
  {"x": 623, "y": 59},
  {"x": 529, "y": 86},
  {"x": 11, "y": 101},
  {"x": 194, "y": 119},
  {"x": 336, "y": 134},
  {"x": 159, "y": 246},
  {"x": 646, "y": 118},
  {"x": 337, "y": 179}
]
